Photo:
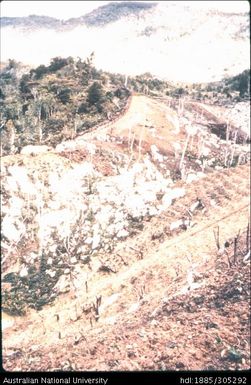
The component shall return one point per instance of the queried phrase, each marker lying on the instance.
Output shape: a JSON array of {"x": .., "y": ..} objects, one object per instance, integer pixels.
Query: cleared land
[{"x": 167, "y": 300}]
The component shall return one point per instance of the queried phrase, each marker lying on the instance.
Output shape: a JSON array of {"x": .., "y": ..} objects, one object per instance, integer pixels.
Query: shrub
[
  {"x": 24, "y": 85},
  {"x": 40, "y": 71},
  {"x": 95, "y": 93},
  {"x": 57, "y": 63},
  {"x": 83, "y": 108},
  {"x": 121, "y": 93},
  {"x": 64, "y": 95},
  {"x": 53, "y": 125},
  {"x": 2, "y": 96}
]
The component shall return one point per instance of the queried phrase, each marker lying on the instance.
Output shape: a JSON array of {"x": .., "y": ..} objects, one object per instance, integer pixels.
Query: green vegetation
[
  {"x": 240, "y": 83},
  {"x": 150, "y": 85},
  {"x": 95, "y": 94},
  {"x": 235, "y": 88},
  {"x": 48, "y": 104},
  {"x": 31, "y": 21},
  {"x": 105, "y": 14},
  {"x": 114, "y": 11}
]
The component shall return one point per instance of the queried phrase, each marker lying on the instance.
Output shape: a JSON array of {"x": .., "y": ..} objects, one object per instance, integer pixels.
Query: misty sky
[
  {"x": 68, "y": 9},
  {"x": 57, "y": 9}
]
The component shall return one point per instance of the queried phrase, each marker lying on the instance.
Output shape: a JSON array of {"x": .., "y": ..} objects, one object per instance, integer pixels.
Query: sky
[
  {"x": 58, "y": 9},
  {"x": 68, "y": 9}
]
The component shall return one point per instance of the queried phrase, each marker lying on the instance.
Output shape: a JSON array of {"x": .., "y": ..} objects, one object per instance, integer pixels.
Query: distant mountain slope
[
  {"x": 32, "y": 21},
  {"x": 101, "y": 16},
  {"x": 114, "y": 11},
  {"x": 172, "y": 40}
]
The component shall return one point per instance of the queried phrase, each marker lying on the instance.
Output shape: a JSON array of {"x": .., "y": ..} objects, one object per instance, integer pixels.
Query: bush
[
  {"x": 180, "y": 91},
  {"x": 12, "y": 64},
  {"x": 57, "y": 63},
  {"x": 109, "y": 95},
  {"x": 240, "y": 82},
  {"x": 95, "y": 93},
  {"x": 121, "y": 93},
  {"x": 64, "y": 95},
  {"x": 40, "y": 71},
  {"x": 83, "y": 108},
  {"x": 85, "y": 80},
  {"x": 54, "y": 125},
  {"x": 2, "y": 96},
  {"x": 24, "y": 86}
]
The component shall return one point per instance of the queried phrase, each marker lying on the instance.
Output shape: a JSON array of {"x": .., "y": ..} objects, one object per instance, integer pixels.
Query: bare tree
[
  {"x": 233, "y": 147},
  {"x": 184, "y": 152}
]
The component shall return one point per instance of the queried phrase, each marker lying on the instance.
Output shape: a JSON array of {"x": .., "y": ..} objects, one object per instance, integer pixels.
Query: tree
[
  {"x": 64, "y": 95},
  {"x": 57, "y": 63},
  {"x": 95, "y": 93},
  {"x": 24, "y": 87},
  {"x": 40, "y": 71},
  {"x": 13, "y": 64},
  {"x": 83, "y": 108},
  {"x": 180, "y": 91},
  {"x": 121, "y": 93},
  {"x": 240, "y": 82},
  {"x": 2, "y": 95},
  {"x": 243, "y": 83}
]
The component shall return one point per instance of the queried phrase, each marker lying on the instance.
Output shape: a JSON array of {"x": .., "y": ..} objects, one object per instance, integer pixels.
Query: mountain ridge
[
  {"x": 98, "y": 17},
  {"x": 172, "y": 41}
]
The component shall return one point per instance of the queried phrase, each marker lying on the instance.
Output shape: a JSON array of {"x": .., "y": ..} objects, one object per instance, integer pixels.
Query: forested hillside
[
  {"x": 55, "y": 102},
  {"x": 48, "y": 104}
]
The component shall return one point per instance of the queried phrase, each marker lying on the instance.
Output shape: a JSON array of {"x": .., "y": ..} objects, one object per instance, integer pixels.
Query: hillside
[
  {"x": 30, "y": 22},
  {"x": 137, "y": 37},
  {"x": 125, "y": 189},
  {"x": 99, "y": 17},
  {"x": 48, "y": 104},
  {"x": 161, "y": 313},
  {"x": 113, "y": 12},
  {"x": 111, "y": 233}
]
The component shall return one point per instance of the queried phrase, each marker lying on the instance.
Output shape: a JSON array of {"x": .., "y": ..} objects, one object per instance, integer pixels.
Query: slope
[{"x": 151, "y": 293}]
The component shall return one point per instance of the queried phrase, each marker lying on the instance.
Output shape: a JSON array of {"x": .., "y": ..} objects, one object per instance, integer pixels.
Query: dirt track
[{"x": 145, "y": 120}]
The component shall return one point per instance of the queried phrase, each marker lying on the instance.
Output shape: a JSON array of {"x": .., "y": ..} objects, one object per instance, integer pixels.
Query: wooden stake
[
  {"x": 217, "y": 237},
  {"x": 235, "y": 248},
  {"x": 247, "y": 238},
  {"x": 236, "y": 239}
]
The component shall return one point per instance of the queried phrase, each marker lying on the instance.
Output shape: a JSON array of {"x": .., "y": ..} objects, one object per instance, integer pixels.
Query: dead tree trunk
[
  {"x": 184, "y": 152},
  {"x": 217, "y": 237},
  {"x": 247, "y": 238}
]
